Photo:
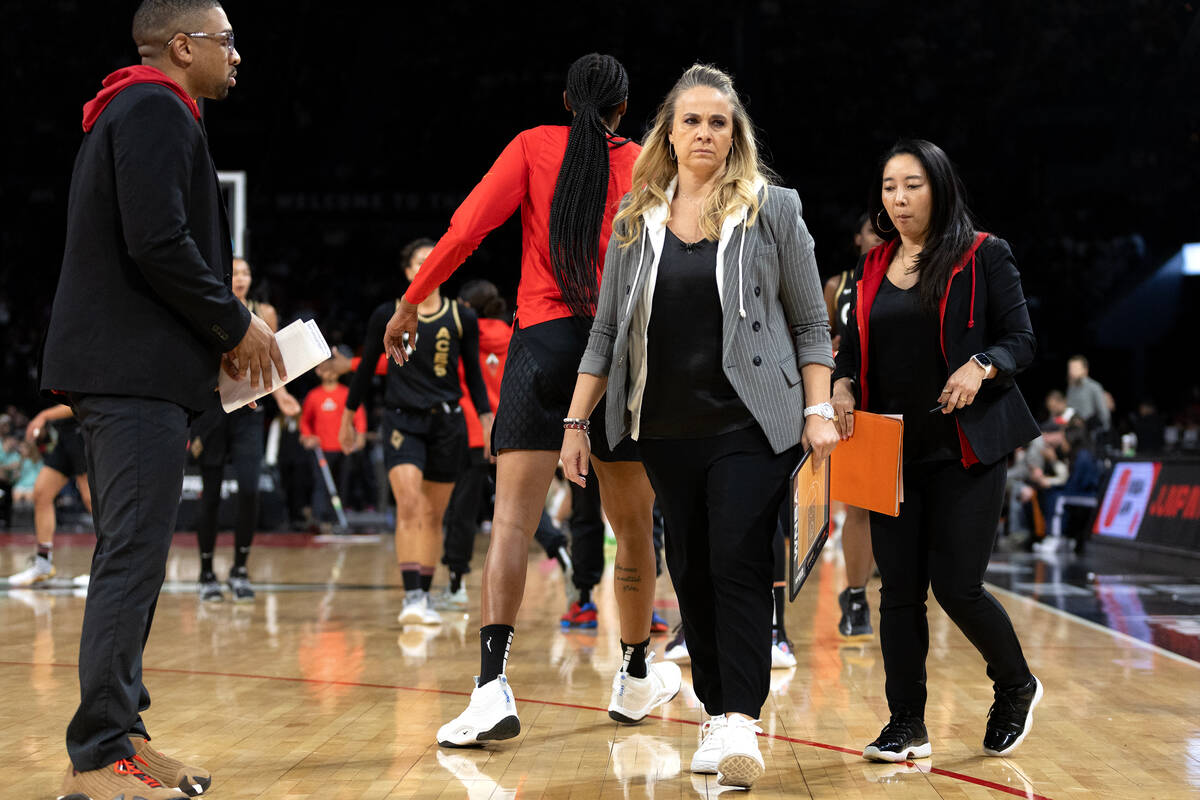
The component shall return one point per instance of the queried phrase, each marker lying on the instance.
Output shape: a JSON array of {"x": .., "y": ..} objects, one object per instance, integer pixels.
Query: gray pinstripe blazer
[{"x": 774, "y": 316}]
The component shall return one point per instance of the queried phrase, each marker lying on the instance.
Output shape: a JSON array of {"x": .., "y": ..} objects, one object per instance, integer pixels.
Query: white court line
[{"x": 1162, "y": 651}]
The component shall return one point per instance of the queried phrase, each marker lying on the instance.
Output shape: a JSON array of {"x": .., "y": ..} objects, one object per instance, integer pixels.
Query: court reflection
[
  {"x": 641, "y": 761},
  {"x": 465, "y": 766}
]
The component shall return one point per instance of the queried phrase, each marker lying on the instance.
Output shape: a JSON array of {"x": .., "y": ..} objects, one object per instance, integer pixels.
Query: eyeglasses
[{"x": 224, "y": 38}]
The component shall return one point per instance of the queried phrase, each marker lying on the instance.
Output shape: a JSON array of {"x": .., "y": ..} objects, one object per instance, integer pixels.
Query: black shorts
[
  {"x": 229, "y": 437},
  {"x": 435, "y": 443},
  {"x": 67, "y": 455},
  {"x": 535, "y": 393}
]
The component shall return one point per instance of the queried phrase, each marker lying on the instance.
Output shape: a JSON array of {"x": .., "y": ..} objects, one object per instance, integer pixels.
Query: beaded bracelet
[{"x": 570, "y": 423}]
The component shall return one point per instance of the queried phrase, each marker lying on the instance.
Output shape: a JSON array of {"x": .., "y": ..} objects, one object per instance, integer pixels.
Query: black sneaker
[
  {"x": 1011, "y": 718},
  {"x": 239, "y": 585},
  {"x": 901, "y": 739},
  {"x": 856, "y": 615},
  {"x": 210, "y": 590}
]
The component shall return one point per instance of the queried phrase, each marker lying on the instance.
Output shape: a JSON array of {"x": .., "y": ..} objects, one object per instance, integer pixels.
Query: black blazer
[
  {"x": 144, "y": 306},
  {"x": 984, "y": 312}
]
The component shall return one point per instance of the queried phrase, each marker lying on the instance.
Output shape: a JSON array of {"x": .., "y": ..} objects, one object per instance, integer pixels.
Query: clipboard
[
  {"x": 809, "y": 518},
  {"x": 867, "y": 470}
]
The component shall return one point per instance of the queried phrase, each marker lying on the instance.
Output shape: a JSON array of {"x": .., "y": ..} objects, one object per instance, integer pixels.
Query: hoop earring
[
  {"x": 671, "y": 151},
  {"x": 879, "y": 223}
]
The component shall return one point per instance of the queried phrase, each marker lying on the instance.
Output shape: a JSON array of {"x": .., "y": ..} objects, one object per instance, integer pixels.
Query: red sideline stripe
[{"x": 854, "y": 752}]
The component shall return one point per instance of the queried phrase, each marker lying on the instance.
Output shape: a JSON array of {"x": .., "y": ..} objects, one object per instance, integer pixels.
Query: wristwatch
[
  {"x": 823, "y": 410},
  {"x": 985, "y": 361}
]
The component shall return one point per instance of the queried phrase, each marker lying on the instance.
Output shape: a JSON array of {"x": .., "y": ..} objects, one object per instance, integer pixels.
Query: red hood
[
  {"x": 122, "y": 79},
  {"x": 494, "y": 335}
]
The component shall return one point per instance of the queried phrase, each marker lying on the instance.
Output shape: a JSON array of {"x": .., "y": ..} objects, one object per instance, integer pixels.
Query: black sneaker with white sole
[
  {"x": 239, "y": 585},
  {"x": 856, "y": 615},
  {"x": 1011, "y": 717},
  {"x": 901, "y": 739}
]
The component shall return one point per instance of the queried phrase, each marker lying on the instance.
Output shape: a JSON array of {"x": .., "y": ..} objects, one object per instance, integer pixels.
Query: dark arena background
[{"x": 360, "y": 126}]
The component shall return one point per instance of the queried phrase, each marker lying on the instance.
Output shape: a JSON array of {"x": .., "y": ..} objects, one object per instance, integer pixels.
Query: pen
[{"x": 938, "y": 408}]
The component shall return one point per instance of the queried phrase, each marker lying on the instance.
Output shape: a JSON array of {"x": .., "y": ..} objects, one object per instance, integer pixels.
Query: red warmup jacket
[
  {"x": 523, "y": 177},
  {"x": 321, "y": 416},
  {"x": 493, "y": 353}
]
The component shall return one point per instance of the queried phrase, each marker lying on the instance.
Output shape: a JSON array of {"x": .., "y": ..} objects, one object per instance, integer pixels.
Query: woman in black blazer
[{"x": 940, "y": 329}]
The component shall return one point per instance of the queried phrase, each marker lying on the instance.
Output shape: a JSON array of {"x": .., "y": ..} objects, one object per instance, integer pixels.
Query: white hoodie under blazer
[{"x": 774, "y": 319}]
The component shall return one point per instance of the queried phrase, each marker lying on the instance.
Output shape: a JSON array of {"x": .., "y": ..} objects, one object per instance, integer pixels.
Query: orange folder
[{"x": 866, "y": 470}]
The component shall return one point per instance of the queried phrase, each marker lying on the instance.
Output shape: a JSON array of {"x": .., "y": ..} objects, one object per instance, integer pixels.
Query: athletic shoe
[
  {"x": 490, "y": 716},
  {"x": 782, "y": 656},
  {"x": 658, "y": 624},
  {"x": 856, "y": 615},
  {"x": 239, "y": 585},
  {"x": 1011, "y": 718},
  {"x": 711, "y": 747},
  {"x": 741, "y": 764},
  {"x": 901, "y": 739},
  {"x": 417, "y": 611},
  {"x": 81, "y": 581},
  {"x": 210, "y": 589},
  {"x": 677, "y": 648},
  {"x": 580, "y": 616},
  {"x": 38, "y": 570},
  {"x": 125, "y": 778},
  {"x": 633, "y": 698},
  {"x": 169, "y": 771},
  {"x": 454, "y": 600}
]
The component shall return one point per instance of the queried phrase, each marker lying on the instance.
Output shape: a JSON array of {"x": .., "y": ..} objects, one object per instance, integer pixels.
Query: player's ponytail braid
[{"x": 596, "y": 84}]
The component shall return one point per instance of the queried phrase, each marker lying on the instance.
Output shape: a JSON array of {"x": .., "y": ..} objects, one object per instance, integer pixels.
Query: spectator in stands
[
  {"x": 1086, "y": 396},
  {"x": 31, "y": 465},
  {"x": 1079, "y": 489},
  {"x": 1149, "y": 427},
  {"x": 320, "y": 422},
  {"x": 1056, "y": 405},
  {"x": 10, "y": 469}
]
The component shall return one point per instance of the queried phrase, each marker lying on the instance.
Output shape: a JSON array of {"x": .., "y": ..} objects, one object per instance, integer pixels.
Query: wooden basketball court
[{"x": 314, "y": 691}]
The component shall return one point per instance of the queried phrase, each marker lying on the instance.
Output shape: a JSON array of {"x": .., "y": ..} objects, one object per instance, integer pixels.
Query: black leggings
[
  {"x": 943, "y": 537},
  {"x": 720, "y": 498},
  {"x": 237, "y": 438}
]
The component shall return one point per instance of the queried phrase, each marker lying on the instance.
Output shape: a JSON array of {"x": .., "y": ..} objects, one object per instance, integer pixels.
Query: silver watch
[{"x": 824, "y": 410}]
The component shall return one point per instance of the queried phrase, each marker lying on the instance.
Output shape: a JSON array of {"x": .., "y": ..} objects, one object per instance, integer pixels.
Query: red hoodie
[
  {"x": 121, "y": 80},
  {"x": 493, "y": 353}
]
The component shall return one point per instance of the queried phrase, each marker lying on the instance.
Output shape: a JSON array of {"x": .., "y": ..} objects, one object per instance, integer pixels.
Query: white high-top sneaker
[{"x": 490, "y": 716}]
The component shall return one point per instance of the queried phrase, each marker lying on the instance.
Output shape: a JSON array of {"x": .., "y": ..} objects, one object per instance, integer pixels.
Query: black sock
[
  {"x": 240, "y": 554},
  {"x": 635, "y": 658},
  {"x": 861, "y": 591},
  {"x": 585, "y": 594},
  {"x": 494, "y": 642},
  {"x": 455, "y": 581},
  {"x": 427, "y": 578},
  {"x": 46, "y": 551},
  {"x": 411, "y": 575},
  {"x": 206, "y": 566}
]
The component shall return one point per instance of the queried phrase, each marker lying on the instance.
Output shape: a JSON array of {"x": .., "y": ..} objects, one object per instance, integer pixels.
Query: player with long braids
[{"x": 568, "y": 183}]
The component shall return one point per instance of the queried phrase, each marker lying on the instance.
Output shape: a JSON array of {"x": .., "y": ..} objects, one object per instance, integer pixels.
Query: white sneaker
[
  {"x": 677, "y": 650},
  {"x": 741, "y": 764},
  {"x": 490, "y": 716},
  {"x": 81, "y": 581},
  {"x": 782, "y": 656},
  {"x": 454, "y": 600},
  {"x": 417, "y": 611},
  {"x": 39, "y": 570},
  {"x": 634, "y": 698},
  {"x": 712, "y": 746}
]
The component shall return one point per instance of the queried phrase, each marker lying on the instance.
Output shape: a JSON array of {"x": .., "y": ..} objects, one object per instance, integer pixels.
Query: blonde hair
[{"x": 655, "y": 168}]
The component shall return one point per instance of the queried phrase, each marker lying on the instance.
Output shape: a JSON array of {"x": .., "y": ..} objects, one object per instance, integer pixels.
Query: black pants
[
  {"x": 943, "y": 537},
  {"x": 461, "y": 521},
  {"x": 236, "y": 438},
  {"x": 720, "y": 498},
  {"x": 136, "y": 451}
]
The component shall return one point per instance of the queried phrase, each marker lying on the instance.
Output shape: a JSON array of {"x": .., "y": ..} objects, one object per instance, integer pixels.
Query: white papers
[{"x": 302, "y": 346}]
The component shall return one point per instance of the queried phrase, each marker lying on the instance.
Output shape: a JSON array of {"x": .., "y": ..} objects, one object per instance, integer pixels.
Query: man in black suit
[{"x": 143, "y": 319}]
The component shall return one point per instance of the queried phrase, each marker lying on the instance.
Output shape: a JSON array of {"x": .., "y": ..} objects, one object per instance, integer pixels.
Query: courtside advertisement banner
[{"x": 1126, "y": 498}]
